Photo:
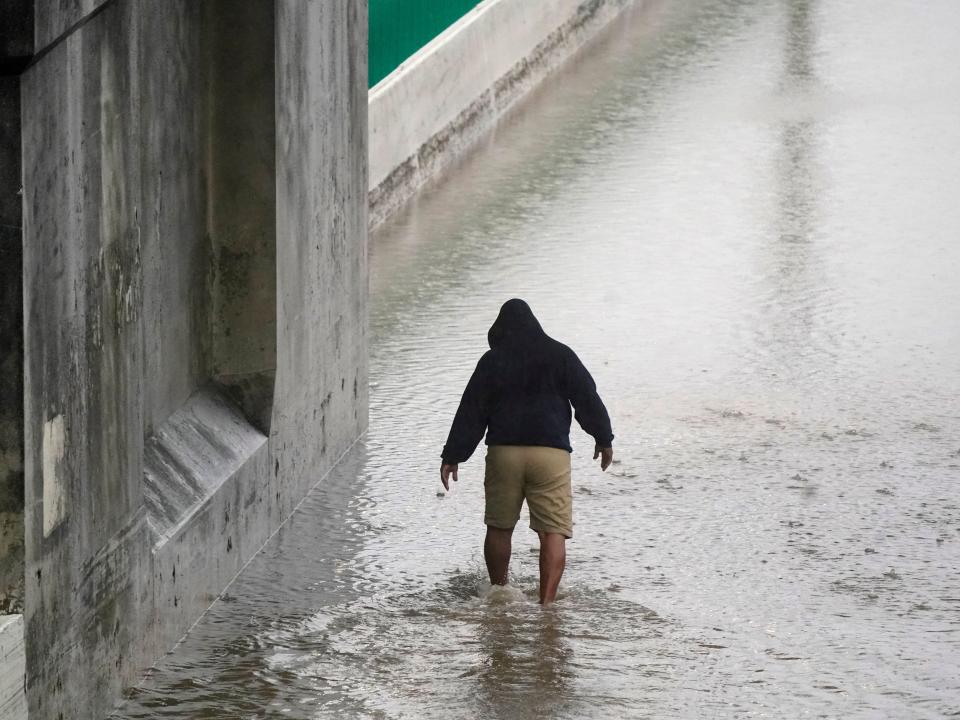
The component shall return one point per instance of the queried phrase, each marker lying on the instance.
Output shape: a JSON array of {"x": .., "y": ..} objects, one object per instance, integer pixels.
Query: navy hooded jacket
[{"x": 522, "y": 390}]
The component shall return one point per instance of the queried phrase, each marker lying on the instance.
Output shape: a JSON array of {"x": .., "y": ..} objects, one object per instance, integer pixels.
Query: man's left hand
[{"x": 446, "y": 470}]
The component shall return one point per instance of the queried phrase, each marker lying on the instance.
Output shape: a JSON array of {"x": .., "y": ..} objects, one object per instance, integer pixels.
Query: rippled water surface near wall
[{"x": 744, "y": 217}]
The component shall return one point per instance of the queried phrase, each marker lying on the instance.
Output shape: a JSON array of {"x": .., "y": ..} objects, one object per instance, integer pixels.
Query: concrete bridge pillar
[
  {"x": 16, "y": 48},
  {"x": 194, "y": 218}
]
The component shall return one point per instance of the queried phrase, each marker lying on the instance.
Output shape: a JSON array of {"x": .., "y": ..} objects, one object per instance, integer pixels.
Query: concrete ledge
[
  {"x": 204, "y": 552},
  {"x": 433, "y": 107},
  {"x": 192, "y": 454},
  {"x": 13, "y": 700}
]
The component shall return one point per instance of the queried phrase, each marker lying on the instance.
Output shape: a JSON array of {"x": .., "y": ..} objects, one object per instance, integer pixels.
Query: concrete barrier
[{"x": 433, "y": 107}]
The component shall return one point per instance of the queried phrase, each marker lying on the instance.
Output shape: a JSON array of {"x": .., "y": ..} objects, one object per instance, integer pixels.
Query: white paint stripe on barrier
[{"x": 431, "y": 88}]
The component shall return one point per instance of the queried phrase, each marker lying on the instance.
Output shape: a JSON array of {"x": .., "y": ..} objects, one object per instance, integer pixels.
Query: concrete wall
[
  {"x": 438, "y": 103},
  {"x": 321, "y": 236},
  {"x": 16, "y": 48},
  {"x": 16, "y": 35},
  {"x": 13, "y": 703},
  {"x": 11, "y": 352},
  {"x": 195, "y": 310}
]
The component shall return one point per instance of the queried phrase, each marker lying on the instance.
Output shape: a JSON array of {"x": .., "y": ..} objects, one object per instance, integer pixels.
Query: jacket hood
[{"x": 515, "y": 324}]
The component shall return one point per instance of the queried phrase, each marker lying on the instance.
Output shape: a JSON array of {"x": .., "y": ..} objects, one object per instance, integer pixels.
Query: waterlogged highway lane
[{"x": 743, "y": 217}]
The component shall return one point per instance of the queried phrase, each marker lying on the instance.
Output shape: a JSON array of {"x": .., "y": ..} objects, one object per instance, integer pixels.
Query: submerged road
[{"x": 744, "y": 217}]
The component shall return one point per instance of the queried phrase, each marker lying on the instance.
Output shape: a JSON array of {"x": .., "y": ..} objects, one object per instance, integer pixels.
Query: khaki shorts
[{"x": 541, "y": 475}]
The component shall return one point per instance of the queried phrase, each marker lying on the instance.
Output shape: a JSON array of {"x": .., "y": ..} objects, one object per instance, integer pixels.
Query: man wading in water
[{"x": 521, "y": 393}]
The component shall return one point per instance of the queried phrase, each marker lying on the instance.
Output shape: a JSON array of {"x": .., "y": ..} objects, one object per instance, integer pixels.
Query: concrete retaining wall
[
  {"x": 437, "y": 104},
  {"x": 11, "y": 352},
  {"x": 16, "y": 48},
  {"x": 195, "y": 219}
]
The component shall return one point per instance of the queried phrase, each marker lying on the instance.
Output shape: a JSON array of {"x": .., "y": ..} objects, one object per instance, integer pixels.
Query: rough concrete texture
[
  {"x": 16, "y": 33},
  {"x": 173, "y": 255},
  {"x": 55, "y": 18},
  {"x": 84, "y": 372},
  {"x": 321, "y": 237},
  {"x": 243, "y": 216},
  {"x": 13, "y": 702},
  {"x": 192, "y": 454},
  {"x": 11, "y": 342},
  {"x": 151, "y": 242},
  {"x": 436, "y": 105}
]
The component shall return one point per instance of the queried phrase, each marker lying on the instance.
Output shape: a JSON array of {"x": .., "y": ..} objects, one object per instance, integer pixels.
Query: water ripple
[{"x": 744, "y": 225}]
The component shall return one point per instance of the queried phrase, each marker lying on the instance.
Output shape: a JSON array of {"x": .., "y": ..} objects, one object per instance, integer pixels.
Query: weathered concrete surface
[
  {"x": 169, "y": 193},
  {"x": 11, "y": 352},
  {"x": 55, "y": 18},
  {"x": 13, "y": 702},
  {"x": 195, "y": 315},
  {"x": 187, "y": 460},
  {"x": 16, "y": 47},
  {"x": 16, "y": 34},
  {"x": 321, "y": 237},
  {"x": 437, "y": 104},
  {"x": 84, "y": 372},
  {"x": 243, "y": 217}
]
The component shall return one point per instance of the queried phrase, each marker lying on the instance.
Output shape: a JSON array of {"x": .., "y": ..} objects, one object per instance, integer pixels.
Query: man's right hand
[
  {"x": 446, "y": 470},
  {"x": 605, "y": 455}
]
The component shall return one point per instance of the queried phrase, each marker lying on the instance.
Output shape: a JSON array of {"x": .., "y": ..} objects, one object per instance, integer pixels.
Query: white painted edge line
[{"x": 426, "y": 52}]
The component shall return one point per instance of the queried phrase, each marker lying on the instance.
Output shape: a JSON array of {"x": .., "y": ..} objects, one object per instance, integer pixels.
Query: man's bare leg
[
  {"x": 553, "y": 558},
  {"x": 496, "y": 551}
]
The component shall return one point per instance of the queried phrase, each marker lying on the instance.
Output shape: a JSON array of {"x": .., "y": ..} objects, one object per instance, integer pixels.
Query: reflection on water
[
  {"x": 798, "y": 295},
  {"x": 525, "y": 671},
  {"x": 746, "y": 226}
]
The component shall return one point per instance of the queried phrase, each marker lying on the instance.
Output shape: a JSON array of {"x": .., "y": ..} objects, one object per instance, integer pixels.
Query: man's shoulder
[
  {"x": 563, "y": 349},
  {"x": 488, "y": 362}
]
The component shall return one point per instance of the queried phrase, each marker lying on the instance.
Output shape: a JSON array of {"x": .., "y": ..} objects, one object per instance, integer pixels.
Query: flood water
[{"x": 745, "y": 218}]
